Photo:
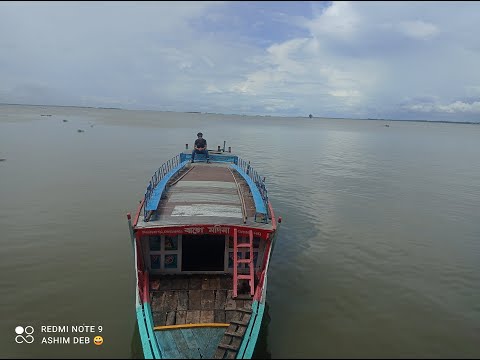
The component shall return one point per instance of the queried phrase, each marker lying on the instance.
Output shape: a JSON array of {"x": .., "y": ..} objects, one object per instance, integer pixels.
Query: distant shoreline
[
  {"x": 199, "y": 112},
  {"x": 68, "y": 106}
]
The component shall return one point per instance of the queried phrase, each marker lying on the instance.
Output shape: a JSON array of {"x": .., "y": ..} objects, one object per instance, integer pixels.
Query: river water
[{"x": 378, "y": 254}]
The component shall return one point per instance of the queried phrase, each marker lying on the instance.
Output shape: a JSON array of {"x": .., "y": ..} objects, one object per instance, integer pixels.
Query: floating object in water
[
  {"x": 64, "y": 120},
  {"x": 3, "y": 159},
  {"x": 80, "y": 130}
]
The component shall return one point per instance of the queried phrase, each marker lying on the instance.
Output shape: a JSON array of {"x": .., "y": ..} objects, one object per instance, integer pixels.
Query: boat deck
[
  {"x": 198, "y": 299},
  {"x": 206, "y": 194},
  {"x": 195, "y": 343}
]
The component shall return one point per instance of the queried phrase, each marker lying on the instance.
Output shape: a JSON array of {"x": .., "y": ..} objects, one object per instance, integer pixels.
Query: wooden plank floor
[
  {"x": 190, "y": 299},
  {"x": 221, "y": 190}
]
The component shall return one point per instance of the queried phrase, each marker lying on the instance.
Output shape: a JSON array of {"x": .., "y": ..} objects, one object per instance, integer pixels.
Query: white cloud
[
  {"x": 455, "y": 107},
  {"x": 346, "y": 59},
  {"x": 345, "y": 93},
  {"x": 418, "y": 29},
  {"x": 212, "y": 89},
  {"x": 340, "y": 20}
]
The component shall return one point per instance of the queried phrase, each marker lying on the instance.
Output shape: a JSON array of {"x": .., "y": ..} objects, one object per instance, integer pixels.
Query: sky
[{"x": 396, "y": 60}]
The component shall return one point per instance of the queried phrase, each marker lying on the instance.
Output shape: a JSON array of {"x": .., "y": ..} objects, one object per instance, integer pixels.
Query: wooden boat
[{"x": 202, "y": 237}]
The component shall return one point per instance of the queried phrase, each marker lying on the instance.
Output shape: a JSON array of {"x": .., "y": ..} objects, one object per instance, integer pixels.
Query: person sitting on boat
[{"x": 200, "y": 147}]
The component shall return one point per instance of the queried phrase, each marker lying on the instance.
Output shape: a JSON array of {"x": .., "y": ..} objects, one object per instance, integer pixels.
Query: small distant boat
[{"x": 202, "y": 238}]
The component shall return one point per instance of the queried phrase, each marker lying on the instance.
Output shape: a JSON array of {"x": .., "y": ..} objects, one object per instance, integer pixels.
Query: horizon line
[{"x": 213, "y": 113}]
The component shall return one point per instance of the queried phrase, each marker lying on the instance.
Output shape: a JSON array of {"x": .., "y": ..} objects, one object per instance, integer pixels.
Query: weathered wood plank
[
  {"x": 170, "y": 318},
  {"x": 231, "y": 354},
  {"x": 245, "y": 317},
  {"x": 229, "y": 315},
  {"x": 226, "y": 283},
  {"x": 207, "y": 316},
  {"x": 182, "y": 283},
  {"x": 195, "y": 283},
  {"x": 220, "y": 316},
  {"x": 247, "y": 311},
  {"x": 166, "y": 283},
  {"x": 232, "y": 328},
  {"x": 238, "y": 332},
  {"x": 225, "y": 342},
  {"x": 159, "y": 318},
  {"x": 171, "y": 301},
  {"x": 219, "y": 353},
  {"x": 232, "y": 334},
  {"x": 240, "y": 322},
  {"x": 220, "y": 298},
  {"x": 228, "y": 347},
  {"x": 194, "y": 299},
  {"x": 193, "y": 317},
  {"x": 230, "y": 304},
  {"x": 239, "y": 303},
  {"x": 211, "y": 283},
  {"x": 208, "y": 300},
  {"x": 181, "y": 317},
  {"x": 182, "y": 300},
  {"x": 158, "y": 300},
  {"x": 236, "y": 342}
]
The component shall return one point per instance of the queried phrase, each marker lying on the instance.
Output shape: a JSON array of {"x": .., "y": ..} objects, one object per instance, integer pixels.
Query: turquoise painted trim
[
  {"x": 257, "y": 197},
  {"x": 147, "y": 351},
  {"x": 154, "y": 200},
  {"x": 255, "y": 332},
  {"x": 151, "y": 333},
  {"x": 150, "y": 346},
  {"x": 246, "y": 337},
  {"x": 213, "y": 158}
]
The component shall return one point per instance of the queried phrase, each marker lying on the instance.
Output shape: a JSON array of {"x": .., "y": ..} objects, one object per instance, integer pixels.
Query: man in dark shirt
[{"x": 200, "y": 147}]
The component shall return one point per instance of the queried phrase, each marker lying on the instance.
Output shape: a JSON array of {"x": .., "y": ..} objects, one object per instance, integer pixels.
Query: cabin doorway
[{"x": 203, "y": 252}]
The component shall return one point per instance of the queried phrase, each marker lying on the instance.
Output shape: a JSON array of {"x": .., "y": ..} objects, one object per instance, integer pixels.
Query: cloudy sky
[{"x": 399, "y": 60}]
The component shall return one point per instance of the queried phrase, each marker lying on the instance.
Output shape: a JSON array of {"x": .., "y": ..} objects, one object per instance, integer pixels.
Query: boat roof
[{"x": 207, "y": 193}]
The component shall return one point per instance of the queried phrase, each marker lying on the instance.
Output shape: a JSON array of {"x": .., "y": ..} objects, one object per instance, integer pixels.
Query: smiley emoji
[{"x": 98, "y": 340}]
